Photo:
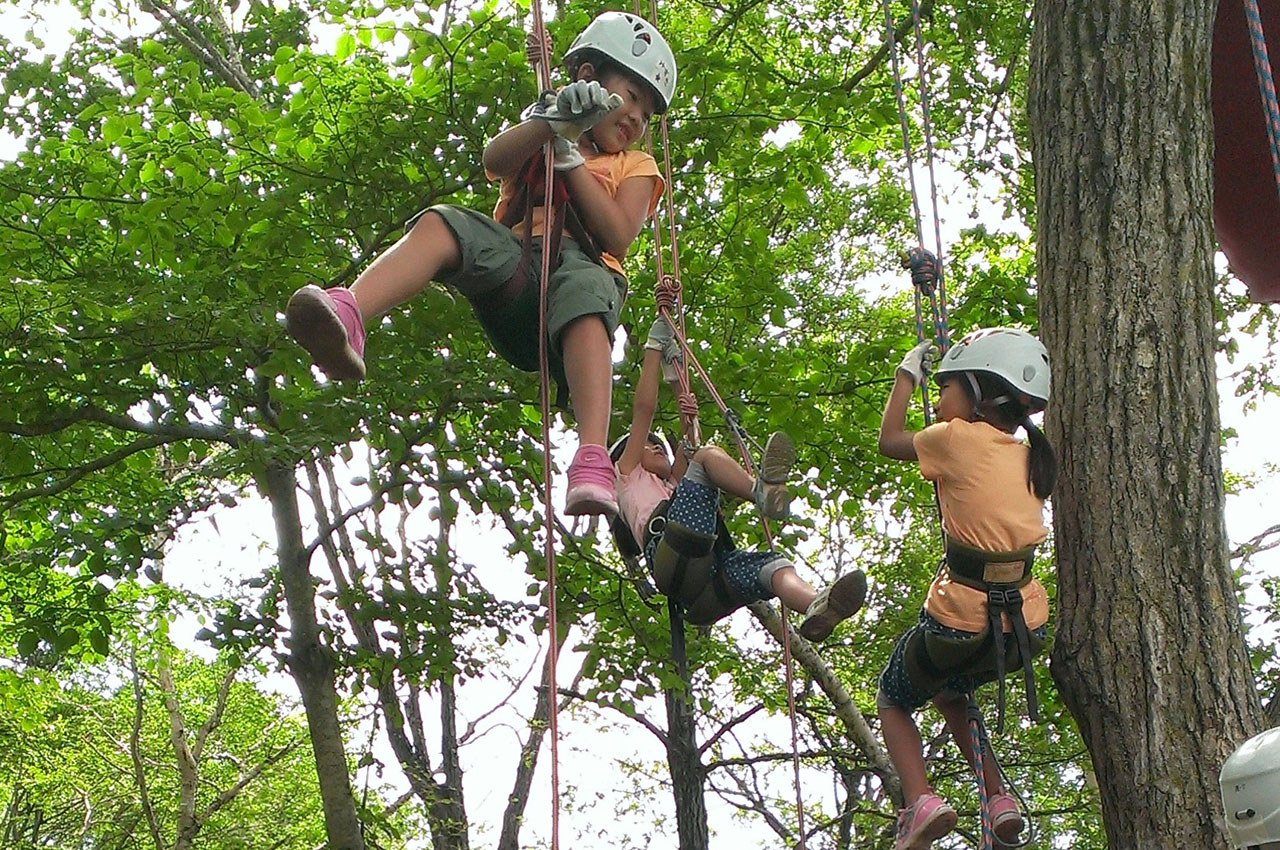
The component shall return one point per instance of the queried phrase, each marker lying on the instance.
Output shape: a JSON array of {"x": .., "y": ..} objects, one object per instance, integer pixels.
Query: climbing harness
[{"x": 1001, "y": 575}]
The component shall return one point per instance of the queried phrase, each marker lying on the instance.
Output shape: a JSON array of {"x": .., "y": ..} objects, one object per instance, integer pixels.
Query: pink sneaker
[
  {"x": 327, "y": 323},
  {"x": 591, "y": 483},
  {"x": 926, "y": 820},
  {"x": 1006, "y": 818}
]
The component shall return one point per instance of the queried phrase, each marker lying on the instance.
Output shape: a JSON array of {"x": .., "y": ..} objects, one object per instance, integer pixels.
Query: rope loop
[
  {"x": 688, "y": 404},
  {"x": 925, "y": 269},
  {"x": 667, "y": 293}
]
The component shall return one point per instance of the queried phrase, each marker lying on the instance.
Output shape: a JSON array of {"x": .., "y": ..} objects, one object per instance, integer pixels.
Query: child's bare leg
[
  {"x": 588, "y": 367},
  {"x": 400, "y": 273},
  {"x": 906, "y": 750},
  {"x": 726, "y": 473},
  {"x": 954, "y": 708},
  {"x": 793, "y": 591}
]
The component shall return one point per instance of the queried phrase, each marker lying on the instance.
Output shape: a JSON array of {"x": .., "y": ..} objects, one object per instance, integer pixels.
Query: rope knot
[
  {"x": 667, "y": 293},
  {"x": 688, "y": 404},
  {"x": 925, "y": 269}
]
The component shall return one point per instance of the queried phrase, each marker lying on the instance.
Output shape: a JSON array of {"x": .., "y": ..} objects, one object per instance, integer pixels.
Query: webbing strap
[{"x": 1008, "y": 600}]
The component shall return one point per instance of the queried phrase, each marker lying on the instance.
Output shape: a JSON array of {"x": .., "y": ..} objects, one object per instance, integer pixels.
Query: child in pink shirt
[{"x": 671, "y": 509}]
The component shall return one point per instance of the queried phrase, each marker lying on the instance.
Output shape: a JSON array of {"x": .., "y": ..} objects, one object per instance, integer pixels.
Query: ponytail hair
[
  {"x": 1042, "y": 463},
  {"x": 1002, "y": 408}
]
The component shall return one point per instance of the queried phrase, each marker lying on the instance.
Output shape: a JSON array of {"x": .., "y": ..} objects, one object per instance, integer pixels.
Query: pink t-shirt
[{"x": 639, "y": 492}]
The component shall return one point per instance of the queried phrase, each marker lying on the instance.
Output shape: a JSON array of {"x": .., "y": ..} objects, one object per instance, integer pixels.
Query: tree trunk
[
  {"x": 1149, "y": 653},
  {"x": 688, "y": 776},
  {"x": 311, "y": 664}
]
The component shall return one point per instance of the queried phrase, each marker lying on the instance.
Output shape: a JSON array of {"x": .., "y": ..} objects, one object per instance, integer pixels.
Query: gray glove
[
  {"x": 919, "y": 361},
  {"x": 567, "y": 155},
  {"x": 575, "y": 109},
  {"x": 662, "y": 338},
  {"x": 660, "y": 333}
]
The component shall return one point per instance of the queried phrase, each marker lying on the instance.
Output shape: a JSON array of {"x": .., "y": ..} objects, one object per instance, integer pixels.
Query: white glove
[
  {"x": 567, "y": 155},
  {"x": 576, "y": 108},
  {"x": 918, "y": 361}
]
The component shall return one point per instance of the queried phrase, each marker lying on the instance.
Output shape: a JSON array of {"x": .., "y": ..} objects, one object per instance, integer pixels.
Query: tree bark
[
  {"x": 312, "y": 665},
  {"x": 1149, "y": 652},
  {"x": 684, "y": 760}
]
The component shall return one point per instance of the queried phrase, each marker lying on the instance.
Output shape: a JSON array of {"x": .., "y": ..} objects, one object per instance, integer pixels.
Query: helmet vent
[{"x": 1028, "y": 372}]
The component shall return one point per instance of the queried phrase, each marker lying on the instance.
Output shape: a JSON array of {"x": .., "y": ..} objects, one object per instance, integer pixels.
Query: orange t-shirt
[
  {"x": 981, "y": 474},
  {"x": 612, "y": 170}
]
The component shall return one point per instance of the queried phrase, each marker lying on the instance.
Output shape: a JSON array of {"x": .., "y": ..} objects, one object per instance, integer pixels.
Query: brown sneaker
[
  {"x": 838, "y": 602},
  {"x": 772, "y": 497}
]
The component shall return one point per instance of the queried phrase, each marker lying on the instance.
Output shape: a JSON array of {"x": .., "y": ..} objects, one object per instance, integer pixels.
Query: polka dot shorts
[{"x": 695, "y": 506}]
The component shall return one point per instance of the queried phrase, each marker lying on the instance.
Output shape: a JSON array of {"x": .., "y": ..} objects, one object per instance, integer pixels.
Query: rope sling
[{"x": 669, "y": 302}]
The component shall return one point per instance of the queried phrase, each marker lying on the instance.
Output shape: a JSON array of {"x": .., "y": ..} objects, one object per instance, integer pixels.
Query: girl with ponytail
[{"x": 991, "y": 490}]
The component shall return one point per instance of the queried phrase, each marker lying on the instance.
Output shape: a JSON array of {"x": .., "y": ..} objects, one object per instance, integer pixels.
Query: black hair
[
  {"x": 1003, "y": 407},
  {"x": 600, "y": 62},
  {"x": 620, "y": 446}
]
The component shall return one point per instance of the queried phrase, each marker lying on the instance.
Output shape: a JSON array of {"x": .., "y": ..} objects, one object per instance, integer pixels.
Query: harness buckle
[{"x": 1004, "y": 598}]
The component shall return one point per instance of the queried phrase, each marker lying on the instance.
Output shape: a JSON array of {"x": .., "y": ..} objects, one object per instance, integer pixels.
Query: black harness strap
[{"x": 1000, "y": 575}]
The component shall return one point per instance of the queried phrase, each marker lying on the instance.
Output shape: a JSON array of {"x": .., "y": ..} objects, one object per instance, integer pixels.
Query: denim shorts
[{"x": 896, "y": 684}]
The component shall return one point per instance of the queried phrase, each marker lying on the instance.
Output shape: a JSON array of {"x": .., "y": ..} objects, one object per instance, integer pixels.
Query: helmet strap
[{"x": 976, "y": 391}]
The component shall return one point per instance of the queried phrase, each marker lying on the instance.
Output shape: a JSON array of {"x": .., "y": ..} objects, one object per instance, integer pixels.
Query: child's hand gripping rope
[
  {"x": 662, "y": 338},
  {"x": 919, "y": 361},
  {"x": 574, "y": 109}
]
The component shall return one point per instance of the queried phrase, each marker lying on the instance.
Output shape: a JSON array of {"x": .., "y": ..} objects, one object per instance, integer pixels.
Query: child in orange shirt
[
  {"x": 992, "y": 489},
  {"x": 623, "y": 73}
]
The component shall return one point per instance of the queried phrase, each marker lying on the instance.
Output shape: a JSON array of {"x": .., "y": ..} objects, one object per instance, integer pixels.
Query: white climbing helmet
[
  {"x": 1014, "y": 356},
  {"x": 1250, "y": 781},
  {"x": 633, "y": 43}
]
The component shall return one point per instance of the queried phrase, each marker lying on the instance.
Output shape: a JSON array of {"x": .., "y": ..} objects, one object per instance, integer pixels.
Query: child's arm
[
  {"x": 614, "y": 222},
  {"x": 507, "y": 152},
  {"x": 643, "y": 407},
  {"x": 895, "y": 440}
]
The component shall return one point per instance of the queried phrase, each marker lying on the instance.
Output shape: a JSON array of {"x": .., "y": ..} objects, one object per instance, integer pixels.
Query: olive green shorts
[{"x": 490, "y": 255}]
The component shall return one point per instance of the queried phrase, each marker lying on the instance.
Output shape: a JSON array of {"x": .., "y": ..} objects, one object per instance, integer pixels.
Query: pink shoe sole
[
  {"x": 1008, "y": 827},
  {"x": 311, "y": 319},
  {"x": 938, "y": 824},
  {"x": 591, "y": 500}
]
